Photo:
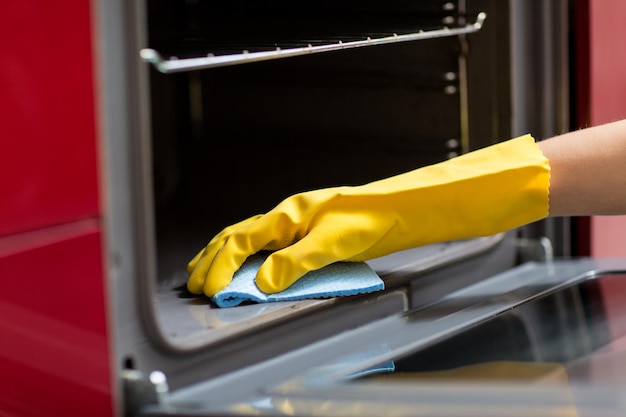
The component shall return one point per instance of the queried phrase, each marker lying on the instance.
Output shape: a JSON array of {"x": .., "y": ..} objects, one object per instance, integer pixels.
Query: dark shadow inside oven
[{"x": 231, "y": 142}]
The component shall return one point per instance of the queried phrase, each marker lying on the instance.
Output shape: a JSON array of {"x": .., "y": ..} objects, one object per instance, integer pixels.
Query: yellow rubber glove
[{"x": 477, "y": 194}]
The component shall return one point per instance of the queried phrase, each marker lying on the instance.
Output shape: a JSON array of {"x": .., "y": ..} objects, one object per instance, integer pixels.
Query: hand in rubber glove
[{"x": 477, "y": 194}]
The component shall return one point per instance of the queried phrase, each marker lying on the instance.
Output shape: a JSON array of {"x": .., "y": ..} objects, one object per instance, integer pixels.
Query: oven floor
[{"x": 189, "y": 319}]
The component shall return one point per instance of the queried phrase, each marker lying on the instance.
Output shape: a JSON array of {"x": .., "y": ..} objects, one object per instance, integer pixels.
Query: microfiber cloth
[{"x": 335, "y": 280}]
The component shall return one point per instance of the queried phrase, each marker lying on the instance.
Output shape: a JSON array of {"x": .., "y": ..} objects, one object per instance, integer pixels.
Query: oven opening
[{"x": 232, "y": 141}]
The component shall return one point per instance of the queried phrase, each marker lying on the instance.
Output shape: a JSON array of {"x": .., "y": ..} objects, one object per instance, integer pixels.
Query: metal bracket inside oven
[{"x": 211, "y": 61}]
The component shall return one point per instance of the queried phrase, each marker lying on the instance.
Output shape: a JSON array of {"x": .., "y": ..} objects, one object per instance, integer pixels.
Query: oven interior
[
  {"x": 231, "y": 142},
  {"x": 192, "y": 151},
  {"x": 211, "y": 146}
]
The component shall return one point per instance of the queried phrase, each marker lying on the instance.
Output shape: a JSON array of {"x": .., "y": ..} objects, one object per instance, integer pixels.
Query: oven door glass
[
  {"x": 539, "y": 340},
  {"x": 562, "y": 351}
]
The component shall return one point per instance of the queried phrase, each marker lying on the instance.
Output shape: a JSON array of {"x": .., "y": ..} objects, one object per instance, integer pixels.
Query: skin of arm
[{"x": 588, "y": 171}]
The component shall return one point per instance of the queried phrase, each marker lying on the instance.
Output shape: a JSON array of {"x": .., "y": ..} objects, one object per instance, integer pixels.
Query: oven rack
[{"x": 174, "y": 65}]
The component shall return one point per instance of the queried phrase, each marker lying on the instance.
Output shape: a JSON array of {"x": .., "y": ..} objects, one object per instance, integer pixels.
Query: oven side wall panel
[{"x": 54, "y": 349}]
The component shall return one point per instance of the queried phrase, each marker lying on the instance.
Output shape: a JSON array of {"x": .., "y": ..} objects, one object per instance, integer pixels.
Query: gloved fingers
[
  {"x": 215, "y": 242},
  {"x": 284, "y": 267},
  {"x": 218, "y": 240},
  {"x": 333, "y": 240},
  {"x": 199, "y": 266},
  {"x": 267, "y": 232},
  {"x": 197, "y": 277},
  {"x": 191, "y": 265}
]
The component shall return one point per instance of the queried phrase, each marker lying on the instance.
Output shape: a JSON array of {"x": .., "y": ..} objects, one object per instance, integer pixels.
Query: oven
[{"x": 215, "y": 111}]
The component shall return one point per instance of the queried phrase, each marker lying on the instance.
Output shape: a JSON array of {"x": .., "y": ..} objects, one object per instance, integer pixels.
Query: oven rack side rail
[{"x": 174, "y": 65}]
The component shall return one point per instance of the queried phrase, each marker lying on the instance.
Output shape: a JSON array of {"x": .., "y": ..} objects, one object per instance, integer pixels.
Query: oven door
[{"x": 543, "y": 339}]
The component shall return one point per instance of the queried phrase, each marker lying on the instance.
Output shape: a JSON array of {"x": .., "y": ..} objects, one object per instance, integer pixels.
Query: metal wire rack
[{"x": 173, "y": 64}]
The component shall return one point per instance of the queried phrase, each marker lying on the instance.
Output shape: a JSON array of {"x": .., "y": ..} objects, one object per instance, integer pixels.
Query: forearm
[{"x": 588, "y": 171}]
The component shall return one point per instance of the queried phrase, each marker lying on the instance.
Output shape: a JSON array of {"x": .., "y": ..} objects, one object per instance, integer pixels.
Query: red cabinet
[
  {"x": 54, "y": 350},
  {"x": 607, "y": 103},
  {"x": 54, "y": 353},
  {"x": 48, "y": 169}
]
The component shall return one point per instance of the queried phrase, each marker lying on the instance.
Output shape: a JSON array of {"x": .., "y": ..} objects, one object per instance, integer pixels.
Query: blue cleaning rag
[{"x": 335, "y": 280}]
